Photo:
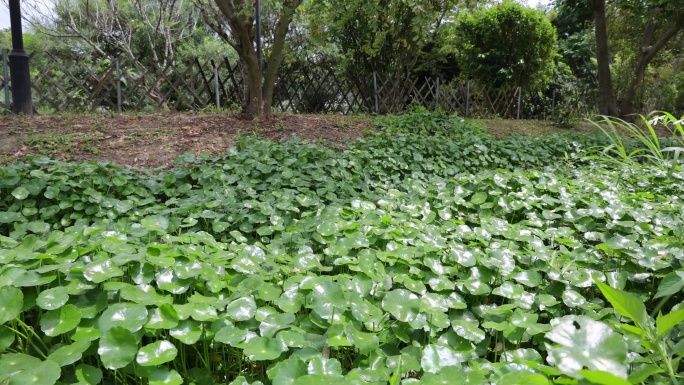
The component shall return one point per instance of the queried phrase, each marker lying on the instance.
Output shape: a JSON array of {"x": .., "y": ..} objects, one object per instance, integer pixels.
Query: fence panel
[{"x": 97, "y": 84}]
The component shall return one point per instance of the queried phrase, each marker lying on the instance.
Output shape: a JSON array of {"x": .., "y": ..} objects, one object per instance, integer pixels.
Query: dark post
[
  {"x": 19, "y": 64},
  {"x": 258, "y": 32}
]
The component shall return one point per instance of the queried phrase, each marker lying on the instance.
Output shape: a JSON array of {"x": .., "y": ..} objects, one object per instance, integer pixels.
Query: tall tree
[
  {"x": 663, "y": 22},
  {"x": 607, "y": 102},
  {"x": 385, "y": 36},
  {"x": 652, "y": 25},
  {"x": 146, "y": 32},
  {"x": 234, "y": 21}
]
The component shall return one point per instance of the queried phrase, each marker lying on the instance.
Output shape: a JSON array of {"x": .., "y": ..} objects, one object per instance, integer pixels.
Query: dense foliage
[
  {"x": 506, "y": 45},
  {"x": 425, "y": 253}
]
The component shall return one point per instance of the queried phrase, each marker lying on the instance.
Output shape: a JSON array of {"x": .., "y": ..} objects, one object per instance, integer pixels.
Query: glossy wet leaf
[
  {"x": 274, "y": 322},
  {"x": 241, "y": 309},
  {"x": 20, "y": 193},
  {"x": 44, "y": 373},
  {"x": 187, "y": 331},
  {"x": 324, "y": 366},
  {"x": 6, "y": 338},
  {"x": 163, "y": 376},
  {"x": 365, "y": 342},
  {"x": 11, "y": 302},
  {"x": 603, "y": 378},
  {"x": 53, "y": 298},
  {"x": 156, "y": 353},
  {"x": 88, "y": 374},
  {"x": 263, "y": 348},
  {"x": 162, "y": 317},
  {"x": 130, "y": 316},
  {"x": 69, "y": 354},
  {"x": 286, "y": 371},
  {"x": 585, "y": 343},
  {"x": 230, "y": 335},
  {"x": 155, "y": 223},
  {"x": 448, "y": 375},
  {"x": 60, "y": 321},
  {"x": 118, "y": 348},
  {"x": 402, "y": 304},
  {"x": 435, "y": 357},
  {"x": 101, "y": 271}
]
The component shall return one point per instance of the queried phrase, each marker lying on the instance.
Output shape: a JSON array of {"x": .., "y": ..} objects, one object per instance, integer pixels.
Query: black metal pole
[
  {"x": 19, "y": 64},
  {"x": 258, "y": 32}
]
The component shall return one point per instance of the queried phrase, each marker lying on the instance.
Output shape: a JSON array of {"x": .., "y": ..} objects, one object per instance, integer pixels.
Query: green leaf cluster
[
  {"x": 508, "y": 44},
  {"x": 390, "y": 261}
]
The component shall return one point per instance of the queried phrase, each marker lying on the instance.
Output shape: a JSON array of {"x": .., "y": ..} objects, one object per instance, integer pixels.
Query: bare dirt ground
[
  {"x": 156, "y": 139},
  {"x": 151, "y": 140}
]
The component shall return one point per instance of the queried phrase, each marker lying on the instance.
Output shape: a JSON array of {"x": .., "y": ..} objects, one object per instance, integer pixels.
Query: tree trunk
[
  {"x": 252, "y": 104},
  {"x": 258, "y": 94},
  {"x": 607, "y": 102},
  {"x": 645, "y": 55}
]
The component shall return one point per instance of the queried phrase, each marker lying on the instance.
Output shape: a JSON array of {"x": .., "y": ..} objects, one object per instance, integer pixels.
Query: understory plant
[
  {"x": 663, "y": 152},
  {"x": 398, "y": 260}
]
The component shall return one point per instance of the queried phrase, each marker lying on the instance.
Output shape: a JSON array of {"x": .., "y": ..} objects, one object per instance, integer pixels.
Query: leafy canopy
[{"x": 506, "y": 45}]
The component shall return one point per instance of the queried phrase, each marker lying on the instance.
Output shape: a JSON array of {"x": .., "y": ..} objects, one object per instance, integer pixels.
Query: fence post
[
  {"x": 375, "y": 91},
  {"x": 119, "y": 102},
  {"x": 467, "y": 98},
  {"x": 437, "y": 97},
  {"x": 519, "y": 99},
  {"x": 5, "y": 78},
  {"x": 216, "y": 84}
]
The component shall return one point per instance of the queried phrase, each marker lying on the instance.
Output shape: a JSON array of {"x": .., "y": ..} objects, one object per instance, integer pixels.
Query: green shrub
[{"x": 508, "y": 45}]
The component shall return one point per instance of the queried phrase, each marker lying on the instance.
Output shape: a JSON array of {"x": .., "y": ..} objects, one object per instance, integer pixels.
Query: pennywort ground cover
[{"x": 387, "y": 262}]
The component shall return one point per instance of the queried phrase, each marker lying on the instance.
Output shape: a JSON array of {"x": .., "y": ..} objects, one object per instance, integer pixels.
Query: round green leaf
[
  {"x": 188, "y": 332},
  {"x": 38, "y": 227},
  {"x": 130, "y": 316},
  {"x": 436, "y": 357},
  {"x": 118, "y": 348},
  {"x": 230, "y": 335},
  {"x": 156, "y": 353},
  {"x": 366, "y": 342},
  {"x": 263, "y": 348},
  {"x": 11, "y": 302},
  {"x": 88, "y": 374},
  {"x": 326, "y": 366},
  {"x": 60, "y": 321},
  {"x": 20, "y": 193},
  {"x": 242, "y": 309},
  {"x": 101, "y": 271},
  {"x": 479, "y": 198},
  {"x": 402, "y": 304},
  {"x": 67, "y": 355},
  {"x": 12, "y": 363},
  {"x": 285, "y": 372},
  {"x": 163, "y": 317},
  {"x": 6, "y": 338},
  {"x": 155, "y": 223},
  {"x": 584, "y": 342},
  {"x": 53, "y": 298},
  {"x": 45, "y": 373},
  {"x": 165, "y": 377}
]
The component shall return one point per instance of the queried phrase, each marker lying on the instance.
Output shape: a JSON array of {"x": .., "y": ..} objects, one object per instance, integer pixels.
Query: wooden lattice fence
[{"x": 118, "y": 84}]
